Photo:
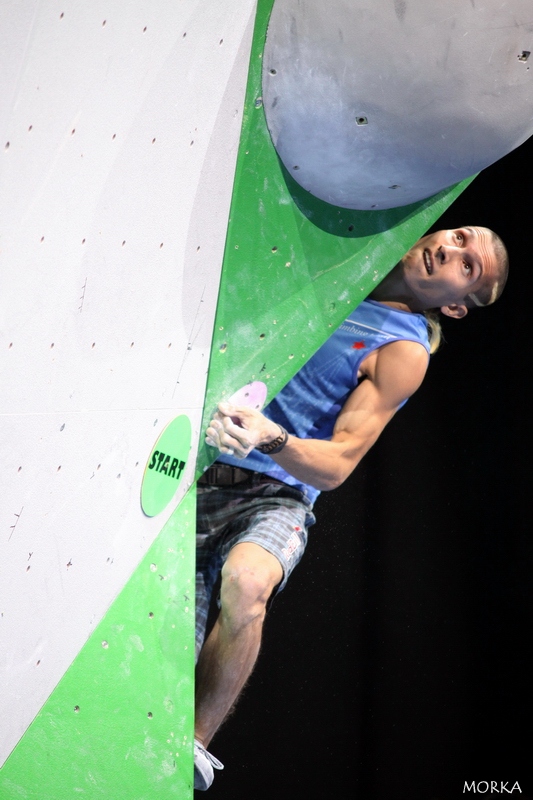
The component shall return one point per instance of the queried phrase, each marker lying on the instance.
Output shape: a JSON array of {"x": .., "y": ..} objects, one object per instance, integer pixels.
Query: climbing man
[{"x": 255, "y": 503}]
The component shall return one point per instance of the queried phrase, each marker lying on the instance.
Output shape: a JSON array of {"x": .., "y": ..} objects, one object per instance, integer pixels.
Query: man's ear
[{"x": 456, "y": 310}]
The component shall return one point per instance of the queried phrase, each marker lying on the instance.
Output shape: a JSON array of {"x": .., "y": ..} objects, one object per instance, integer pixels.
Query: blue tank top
[{"x": 310, "y": 403}]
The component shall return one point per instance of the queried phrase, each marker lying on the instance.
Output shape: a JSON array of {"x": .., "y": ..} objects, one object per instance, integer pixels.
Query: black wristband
[{"x": 276, "y": 445}]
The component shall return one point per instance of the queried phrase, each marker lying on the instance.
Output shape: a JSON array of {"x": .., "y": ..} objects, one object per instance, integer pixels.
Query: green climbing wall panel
[{"x": 119, "y": 724}]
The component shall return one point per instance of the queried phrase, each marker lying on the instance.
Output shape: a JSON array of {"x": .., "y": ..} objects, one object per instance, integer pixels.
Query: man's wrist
[{"x": 276, "y": 445}]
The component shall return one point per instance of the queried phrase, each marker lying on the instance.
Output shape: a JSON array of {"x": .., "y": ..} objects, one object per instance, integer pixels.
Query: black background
[{"x": 395, "y": 666}]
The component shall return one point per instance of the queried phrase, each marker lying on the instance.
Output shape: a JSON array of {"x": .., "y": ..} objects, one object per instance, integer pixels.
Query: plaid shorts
[{"x": 273, "y": 515}]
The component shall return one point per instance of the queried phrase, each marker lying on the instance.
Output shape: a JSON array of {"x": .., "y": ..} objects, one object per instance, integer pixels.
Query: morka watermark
[{"x": 491, "y": 787}]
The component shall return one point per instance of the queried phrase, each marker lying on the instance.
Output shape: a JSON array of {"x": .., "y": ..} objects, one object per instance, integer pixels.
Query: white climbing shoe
[{"x": 203, "y": 767}]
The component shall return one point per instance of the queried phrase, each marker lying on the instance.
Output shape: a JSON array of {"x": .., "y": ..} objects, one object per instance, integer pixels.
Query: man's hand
[{"x": 236, "y": 430}]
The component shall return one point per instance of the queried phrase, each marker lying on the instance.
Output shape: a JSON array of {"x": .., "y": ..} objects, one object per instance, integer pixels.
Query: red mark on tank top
[{"x": 358, "y": 345}]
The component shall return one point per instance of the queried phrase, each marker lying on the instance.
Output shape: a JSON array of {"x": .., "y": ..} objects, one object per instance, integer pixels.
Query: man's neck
[{"x": 392, "y": 291}]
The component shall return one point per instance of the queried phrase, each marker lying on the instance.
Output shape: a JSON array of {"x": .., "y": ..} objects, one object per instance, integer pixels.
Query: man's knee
[{"x": 249, "y": 576}]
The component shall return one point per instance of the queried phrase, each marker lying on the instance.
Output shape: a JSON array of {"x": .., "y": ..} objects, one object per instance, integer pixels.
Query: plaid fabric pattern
[{"x": 272, "y": 515}]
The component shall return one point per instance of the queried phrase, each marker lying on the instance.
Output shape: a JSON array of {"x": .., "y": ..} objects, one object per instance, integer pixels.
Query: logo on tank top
[{"x": 358, "y": 346}]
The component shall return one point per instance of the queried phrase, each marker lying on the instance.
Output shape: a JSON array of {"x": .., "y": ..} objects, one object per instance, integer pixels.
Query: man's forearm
[
  {"x": 323, "y": 464},
  {"x": 312, "y": 461}
]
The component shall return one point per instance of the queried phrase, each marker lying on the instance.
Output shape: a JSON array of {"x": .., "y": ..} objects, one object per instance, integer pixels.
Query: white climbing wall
[{"x": 119, "y": 127}]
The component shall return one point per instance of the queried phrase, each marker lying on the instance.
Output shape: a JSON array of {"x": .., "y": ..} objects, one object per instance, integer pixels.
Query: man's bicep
[
  {"x": 393, "y": 377},
  {"x": 399, "y": 370}
]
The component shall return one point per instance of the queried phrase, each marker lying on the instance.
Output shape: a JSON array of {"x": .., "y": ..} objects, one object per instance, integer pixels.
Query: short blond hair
[{"x": 488, "y": 294}]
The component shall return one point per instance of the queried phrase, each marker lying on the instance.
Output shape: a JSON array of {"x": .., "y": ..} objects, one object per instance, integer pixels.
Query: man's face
[{"x": 445, "y": 269}]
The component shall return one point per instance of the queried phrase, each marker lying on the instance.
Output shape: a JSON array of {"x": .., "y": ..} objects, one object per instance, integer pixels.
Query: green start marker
[{"x": 166, "y": 466}]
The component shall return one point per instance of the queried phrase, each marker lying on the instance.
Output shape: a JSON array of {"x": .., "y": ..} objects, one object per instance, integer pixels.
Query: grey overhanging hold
[{"x": 374, "y": 104}]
